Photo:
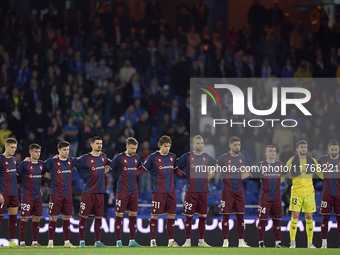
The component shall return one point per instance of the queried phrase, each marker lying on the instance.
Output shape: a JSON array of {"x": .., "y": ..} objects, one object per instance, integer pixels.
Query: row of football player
[{"x": 161, "y": 164}]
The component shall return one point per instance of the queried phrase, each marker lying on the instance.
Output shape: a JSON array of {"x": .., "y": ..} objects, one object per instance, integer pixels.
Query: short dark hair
[
  {"x": 234, "y": 139},
  {"x": 300, "y": 143},
  {"x": 131, "y": 140},
  {"x": 270, "y": 146},
  {"x": 333, "y": 142},
  {"x": 34, "y": 146},
  {"x": 93, "y": 139},
  {"x": 164, "y": 139},
  {"x": 11, "y": 141},
  {"x": 63, "y": 144}
]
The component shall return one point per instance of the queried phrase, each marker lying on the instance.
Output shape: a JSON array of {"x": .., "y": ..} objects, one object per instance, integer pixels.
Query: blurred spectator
[
  {"x": 4, "y": 134},
  {"x": 71, "y": 133}
]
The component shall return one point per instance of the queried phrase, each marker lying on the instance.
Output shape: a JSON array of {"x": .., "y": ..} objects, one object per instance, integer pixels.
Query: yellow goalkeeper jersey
[{"x": 302, "y": 185}]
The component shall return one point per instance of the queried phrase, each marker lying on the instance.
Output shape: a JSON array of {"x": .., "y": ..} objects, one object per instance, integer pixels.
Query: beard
[
  {"x": 334, "y": 155},
  {"x": 302, "y": 154},
  {"x": 235, "y": 152}
]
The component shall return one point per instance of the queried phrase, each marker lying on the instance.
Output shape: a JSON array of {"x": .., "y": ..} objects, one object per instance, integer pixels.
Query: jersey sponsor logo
[
  {"x": 97, "y": 168},
  {"x": 129, "y": 168},
  {"x": 10, "y": 170},
  {"x": 165, "y": 167},
  {"x": 34, "y": 176},
  {"x": 63, "y": 171}
]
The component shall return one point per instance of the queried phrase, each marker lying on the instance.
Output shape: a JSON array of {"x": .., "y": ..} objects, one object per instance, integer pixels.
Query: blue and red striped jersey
[
  {"x": 270, "y": 175},
  {"x": 196, "y": 169},
  {"x": 161, "y": 169},
  {"x": 126, "y": 166},
  {"x": 31, "y": 179},
  {"x": 8, "y": 177},
  {"x": 93, "y": 170},
  {"x": 61, "y": 175},
  {"x": 231, "y": 173},
  {"x": 331, "y": 173}
]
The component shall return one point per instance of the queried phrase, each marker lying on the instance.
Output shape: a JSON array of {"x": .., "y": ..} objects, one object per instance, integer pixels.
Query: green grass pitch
[{"x": 165, "y": 250}]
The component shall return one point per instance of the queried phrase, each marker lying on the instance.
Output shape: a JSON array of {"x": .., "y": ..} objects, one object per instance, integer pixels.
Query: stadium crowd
[{"x": 120, "y": 70}]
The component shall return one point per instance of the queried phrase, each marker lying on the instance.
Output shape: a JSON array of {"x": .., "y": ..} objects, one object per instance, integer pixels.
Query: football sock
[
  {"x": 225, "y": 226},
  {"x": 240, "y": 226},
  {"x": 132, "y": 226},
  {"x": 201, "y": 227},
  {"x": 277, "y": 230},
  {"x": 66, "y": 229},
  {"x": 188, "y": 226},
  {"x": 292, "y": 229},
  {"x": 1, "y": 217},
  {"x": 12, "y": 226},
  {"x": 118, "y": 228},
  {"x": 51, "y": 229},
  {"x": 22, "y": 232},
  {"x": 153, "y": 228},
  {"x": 97, "y": 229},
  {"x": 324, "y": 226},
  {"x": 170, "y": 226},
  {"x": 309, "y": 230},
  {"x": 82, "y": 228},
  {"x": 338, "y": 224},
  {"x": 261, "y": 228},
  {"x": 35, "y": 231}
]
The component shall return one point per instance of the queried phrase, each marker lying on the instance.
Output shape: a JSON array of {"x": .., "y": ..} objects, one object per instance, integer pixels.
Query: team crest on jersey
[
  {"x": 159, "y": 160},
  {"x": 31, "y": 167},
  {"x": 40, "y": 167},
  {"x": 203, "y": 159},
  {"x": 103, "y": 159},
  {"x": 229, "y": 161},
  {"x": 192, "y": 158},
  {"x": 91, "y": 160},
  {"x": 136, "y": 161},
  {"x": 69, "y": 163},
  {"x": 58, "y": 164},
  {"x": 171, "y": 159},
  {"x": 125, "y": 161},
  {"x": 6, "y": 163},
  {"x": 240, "y": 161}
]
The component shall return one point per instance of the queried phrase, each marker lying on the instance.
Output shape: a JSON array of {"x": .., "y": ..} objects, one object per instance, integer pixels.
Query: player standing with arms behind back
[
  {"x": 232, "y": 196},
  {"x": 9, "y": 198},
  {"x": 302, "y": 197},
  {"x": 331, "y": 189},
  {"x": 61, "y": 201},
  {"x": 92, "y": 165},
  {"x": 196, "y": 194},
  {"x": 128, "y": 164},
  {"x": 162, "y": 165}
]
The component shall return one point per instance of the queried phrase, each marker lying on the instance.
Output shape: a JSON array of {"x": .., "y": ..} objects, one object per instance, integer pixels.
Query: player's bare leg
[
  {"x": 309, "y": 229},
  {"x": 35, "y": 232},
  {"x": 153, "y": 230},
  {"x": 201, "y": 231},
  {"x": 22, "y": 231},
  {"x": 133, "y": 226},
  {"x": 170, "y": 226},
  {"x": 12, "y": 226}
]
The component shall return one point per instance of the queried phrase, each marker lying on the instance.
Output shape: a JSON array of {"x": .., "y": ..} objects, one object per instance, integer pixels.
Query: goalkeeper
[{"x": 301, "y": 168}]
